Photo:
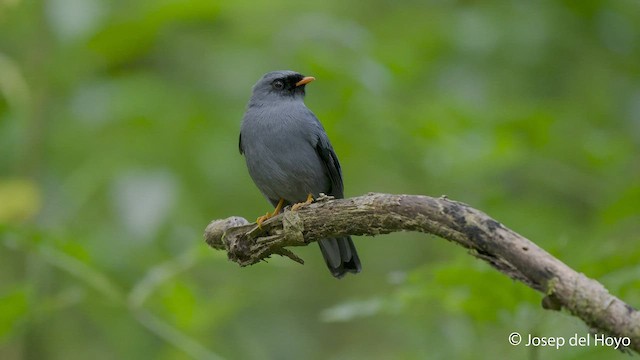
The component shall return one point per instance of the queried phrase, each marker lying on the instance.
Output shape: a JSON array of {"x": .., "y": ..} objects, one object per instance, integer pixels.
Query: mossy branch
[{"x": 489, "y": 240}]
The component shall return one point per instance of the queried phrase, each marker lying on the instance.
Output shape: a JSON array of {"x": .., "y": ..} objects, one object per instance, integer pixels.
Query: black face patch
[{"x": 287, "y": 85}]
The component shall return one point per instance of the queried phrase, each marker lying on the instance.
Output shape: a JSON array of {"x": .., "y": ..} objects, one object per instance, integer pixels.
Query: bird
[{"x": 290, "y": 158}]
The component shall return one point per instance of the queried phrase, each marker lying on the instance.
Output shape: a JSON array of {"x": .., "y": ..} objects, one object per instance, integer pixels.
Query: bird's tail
[{"x": 340, "y": 255}]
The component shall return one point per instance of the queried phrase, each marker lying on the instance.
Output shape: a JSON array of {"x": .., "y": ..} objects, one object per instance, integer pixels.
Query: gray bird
[{"x": 290, "y": 158}]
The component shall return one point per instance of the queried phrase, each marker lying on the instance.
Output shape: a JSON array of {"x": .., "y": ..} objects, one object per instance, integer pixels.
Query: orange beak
[{"x": 305, "y": 80}]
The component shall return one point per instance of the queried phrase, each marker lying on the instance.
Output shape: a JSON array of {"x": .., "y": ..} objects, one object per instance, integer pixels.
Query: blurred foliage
[{"x": 118, "y": 143}]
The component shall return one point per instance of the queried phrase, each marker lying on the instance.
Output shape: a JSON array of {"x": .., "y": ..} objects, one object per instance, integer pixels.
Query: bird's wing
[
  {"x": 330, "y": 161},
  {"x": 240, "y": 144}
]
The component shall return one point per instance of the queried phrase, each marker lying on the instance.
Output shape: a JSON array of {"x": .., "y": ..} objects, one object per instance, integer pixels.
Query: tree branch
[{"x": 373, "y": 214}]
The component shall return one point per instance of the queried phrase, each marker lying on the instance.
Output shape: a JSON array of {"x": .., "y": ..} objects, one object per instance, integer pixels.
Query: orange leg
[
  {"x": 296, "y": 206},
  {"x": 268, "y": 215}
]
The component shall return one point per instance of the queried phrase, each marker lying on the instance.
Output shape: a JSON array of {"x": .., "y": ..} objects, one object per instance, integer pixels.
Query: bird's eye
[{"x": 278, "y": 85}]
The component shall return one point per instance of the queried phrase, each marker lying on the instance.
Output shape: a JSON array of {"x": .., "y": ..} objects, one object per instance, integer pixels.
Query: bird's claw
[
  {"x": 262, "y": 218},
  {"x": 296, "y": 206},
  {"x": 269, "y": 215}
]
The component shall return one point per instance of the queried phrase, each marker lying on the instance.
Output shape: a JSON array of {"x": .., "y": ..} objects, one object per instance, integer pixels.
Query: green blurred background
[{"x": 119, "y": 129}]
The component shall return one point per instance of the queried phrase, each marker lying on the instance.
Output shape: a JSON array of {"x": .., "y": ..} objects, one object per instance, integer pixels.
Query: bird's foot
[
  {"x": 269, "y": 215},
  {"x": 296, "y": 206},
  {"x": 262, "y": 218}
]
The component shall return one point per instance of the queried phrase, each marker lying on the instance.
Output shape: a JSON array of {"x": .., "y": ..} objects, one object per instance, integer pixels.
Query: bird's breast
[{"x": 281, "y": 157}]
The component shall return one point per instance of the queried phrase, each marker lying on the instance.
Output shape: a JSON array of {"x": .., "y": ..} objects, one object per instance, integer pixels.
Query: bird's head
[{"x": 278, "y": 86}]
